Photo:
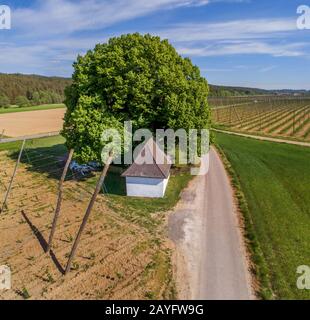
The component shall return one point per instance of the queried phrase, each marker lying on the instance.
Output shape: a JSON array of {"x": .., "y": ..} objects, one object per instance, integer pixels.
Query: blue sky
[{"x": 252, "y": 43}]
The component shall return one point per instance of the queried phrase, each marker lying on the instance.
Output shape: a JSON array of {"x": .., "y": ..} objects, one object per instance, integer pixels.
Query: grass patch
[
  {"x": 34, "y": 144},
  {"x": 159, "y": 274},
  {"x": 262, "y": 134},
  {"x": 141, "y": 210},
  {"x": 14, "y": 109},
  {"x": 272, "y": 182}
]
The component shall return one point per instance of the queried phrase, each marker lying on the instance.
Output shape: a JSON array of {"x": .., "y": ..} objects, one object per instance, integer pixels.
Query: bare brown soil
[
  {"x": 116, "y": 259},
  {"x": 29, "y": 123}
]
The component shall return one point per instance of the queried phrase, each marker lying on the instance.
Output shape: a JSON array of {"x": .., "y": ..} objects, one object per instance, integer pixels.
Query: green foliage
[
  {"x": 25, "y": 294},
  {"x": 4, "y": 101},
  {"x": 22, "y": 102},
  {"x": 15, "y": 109},
  {"x": 137, "y": 78},
  {"x": 37, "y": 89},
  {"x": 223, "y": 91},
  {"x": 46, "y": 97}
]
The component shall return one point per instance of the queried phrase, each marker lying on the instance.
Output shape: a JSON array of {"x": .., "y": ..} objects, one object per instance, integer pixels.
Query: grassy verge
[
  {"x": 144, "y": 211},
  {"x": 262, "y": 134},
  {"x": 272, "y": 185},
  {"x": 33, "y": 144},
  {"x": 14, "y": 109}
]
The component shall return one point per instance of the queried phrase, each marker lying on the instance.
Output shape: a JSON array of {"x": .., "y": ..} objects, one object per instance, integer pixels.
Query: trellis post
[
  {"x": 59, "y": 200},
  {"x": 88, "y": 211},
  {"x": 12, "y": 178}
]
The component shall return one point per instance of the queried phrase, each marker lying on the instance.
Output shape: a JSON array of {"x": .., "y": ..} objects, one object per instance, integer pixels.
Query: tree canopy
[
  {"x": 4, "y": 101},
  {"x": 49, "y": 88},
  {"x": 132, "y": 77},
  {"x": 22, "y": 101}
]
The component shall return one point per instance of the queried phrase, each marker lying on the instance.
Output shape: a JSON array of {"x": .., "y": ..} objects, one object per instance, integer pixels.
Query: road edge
[{"x": 256, "y": 261}]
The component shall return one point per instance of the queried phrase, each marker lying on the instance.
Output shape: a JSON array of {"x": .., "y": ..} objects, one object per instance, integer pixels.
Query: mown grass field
[
  {"x": 14, "y": 109},
  {"x": 275, "y": 179}
]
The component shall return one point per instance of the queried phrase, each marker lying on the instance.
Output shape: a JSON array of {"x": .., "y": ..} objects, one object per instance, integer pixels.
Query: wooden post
[
  {"x": 2, "y": 135},
  {"x": 88, "y": 212},
  {"x": 13, "y": 176},
  {"x": 236, "y": 113},
  {"x": 294, "y": 119},
  {"x": 59, "y": 201}
]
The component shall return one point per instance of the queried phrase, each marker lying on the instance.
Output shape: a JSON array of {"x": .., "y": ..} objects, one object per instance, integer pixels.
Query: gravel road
[{"x": 206, "y": 230}]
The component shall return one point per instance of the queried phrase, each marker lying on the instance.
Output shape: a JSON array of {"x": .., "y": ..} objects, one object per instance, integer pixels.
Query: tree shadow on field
[
  {"x": 42, "y": 242},
  {"x": 114, "y": 183},
  {"x": 48, "y": 161}
]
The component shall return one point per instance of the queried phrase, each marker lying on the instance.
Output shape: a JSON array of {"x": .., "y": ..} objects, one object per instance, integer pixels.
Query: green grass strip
[
  {"x": 33, "y": 108},
  {"x": 260, "y": 267}
]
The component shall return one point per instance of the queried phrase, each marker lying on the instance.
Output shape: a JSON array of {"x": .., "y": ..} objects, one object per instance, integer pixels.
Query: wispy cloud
[
  {"x": 249, "y": 36},
  {"x": 65, "y": 16},
  {"x": 267, "y": 69},
  {"x": 230, "y": 30},
  {"x": 246, "y": 48},
  {"x": 48, "y": 35}
]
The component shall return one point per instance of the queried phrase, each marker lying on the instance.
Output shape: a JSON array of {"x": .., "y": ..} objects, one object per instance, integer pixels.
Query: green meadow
[{"x": 275, "y": 180}]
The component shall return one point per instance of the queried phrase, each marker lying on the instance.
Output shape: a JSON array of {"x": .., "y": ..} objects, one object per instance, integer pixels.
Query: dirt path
[
  {"x": 32, "y": 122},
  {"x": 206, "y": 229},
  {"x": 299, "y": 143}
]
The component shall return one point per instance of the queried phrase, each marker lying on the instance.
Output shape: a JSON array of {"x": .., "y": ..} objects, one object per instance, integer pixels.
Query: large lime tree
[{"x": 132, "y": 77}]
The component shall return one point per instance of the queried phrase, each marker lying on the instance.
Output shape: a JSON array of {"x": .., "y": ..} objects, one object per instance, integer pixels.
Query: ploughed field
[
  {"x": 123, "y": 253},
  {"x": 27, "y": 122},
  {"x": 288, "y": 118}
]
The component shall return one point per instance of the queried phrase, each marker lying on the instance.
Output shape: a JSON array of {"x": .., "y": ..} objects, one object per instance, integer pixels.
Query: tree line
[{"x": 31, "y": 90}]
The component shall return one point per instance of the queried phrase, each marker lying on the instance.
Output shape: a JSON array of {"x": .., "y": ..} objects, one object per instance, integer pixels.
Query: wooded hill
[
  {"x": 227, "y": 91},
  {"x": 37, "y": 89}
]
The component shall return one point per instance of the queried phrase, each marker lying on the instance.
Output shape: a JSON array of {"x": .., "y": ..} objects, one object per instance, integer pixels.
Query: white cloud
[
  {"x": 47, "y": 37},
  {"x": 64, "y": 16},
  {"x": 237, "y": 29},
  {"x": 249, "y": 36},
  {"x": 246, "y": 47},
  {"x": 267, "y": 69}
]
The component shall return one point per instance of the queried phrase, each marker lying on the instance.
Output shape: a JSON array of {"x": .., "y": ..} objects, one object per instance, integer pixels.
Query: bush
[
  {"x": 4, "y": 101},
  {"x": 22, "y": 102}
]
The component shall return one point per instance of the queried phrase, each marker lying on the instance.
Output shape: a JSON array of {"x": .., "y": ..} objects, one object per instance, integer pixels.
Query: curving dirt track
[{"x": 33, "y": 122}]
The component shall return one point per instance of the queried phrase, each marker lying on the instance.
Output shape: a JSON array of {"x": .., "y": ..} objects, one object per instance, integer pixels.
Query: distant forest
[
  {"x": 26, "y": 90},
  {"x": 32, "y": 90},
  {"x": 226, "y": 91},
  {"x": 221, "y": 91}
]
